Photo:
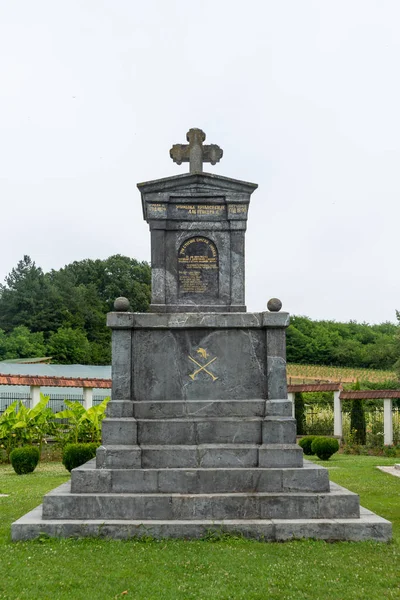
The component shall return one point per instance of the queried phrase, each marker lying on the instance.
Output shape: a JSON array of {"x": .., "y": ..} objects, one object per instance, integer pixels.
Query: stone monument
[{"x": 199, "y": 431}]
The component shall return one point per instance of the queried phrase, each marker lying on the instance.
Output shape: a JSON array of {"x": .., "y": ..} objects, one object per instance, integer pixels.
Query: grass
[{"x": 228, "y": 568}]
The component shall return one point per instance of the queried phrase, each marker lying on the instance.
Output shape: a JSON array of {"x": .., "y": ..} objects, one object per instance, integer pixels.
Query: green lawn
[{"x": 179, "y": 570}]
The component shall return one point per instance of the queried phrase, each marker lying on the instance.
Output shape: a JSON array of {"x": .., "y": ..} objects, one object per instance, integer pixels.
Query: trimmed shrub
[
  {"x": 306, "y": 443},
  {"x": 357, "y": 422},
  {"x": 299, "y": 413},
  {"x": 324, "y": 447},
  {"x": 24, "y": 460},
  {"x": 357, "y": 419},
  {"x": 75, "y": 455}
]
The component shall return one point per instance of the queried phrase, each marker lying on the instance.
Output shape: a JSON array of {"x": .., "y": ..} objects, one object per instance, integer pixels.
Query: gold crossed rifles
[{"x": 202, "y": 368}]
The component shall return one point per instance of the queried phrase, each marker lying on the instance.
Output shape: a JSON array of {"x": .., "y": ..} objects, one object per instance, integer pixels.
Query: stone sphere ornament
[
  {"x": 274, "y": 305},
  {"x": 121, "y": 304}
]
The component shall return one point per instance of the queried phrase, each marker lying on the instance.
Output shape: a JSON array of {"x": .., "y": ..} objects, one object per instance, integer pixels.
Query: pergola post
[
  {"x": 35, "y": 395},
  {"x": 387, "y": 422},
  {"x": 291, "y": 399},
  {"x": 337, "y": 415},
  {"x": 87, "y": 397}
]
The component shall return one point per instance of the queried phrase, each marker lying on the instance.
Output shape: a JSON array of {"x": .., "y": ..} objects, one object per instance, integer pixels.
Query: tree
[
  {"x": 299, "y": 413},
  {"x": 397, "y": 345},
  {"x": 21, "y": 343},
  {"x": 29, "y": 299},
  {"x": 69, "y": 346},
  {"x": 56, "y": 306},
  {"x": 357, "y": 419}
]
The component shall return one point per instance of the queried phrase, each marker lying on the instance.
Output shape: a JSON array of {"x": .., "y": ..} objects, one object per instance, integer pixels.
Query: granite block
[
  {"x": 205, "y": 455},
  {"x": 119, "y": 431},
  {"x": 280, "y": 455},
  {"x": 278, "y": 408},
  {"x": 279, "y": 430},
  {"x": 173, "y": 409},
  {"x": 32, "y": 525},
  {"x": 118, "y": 457},
  {"x": 117, "y": 409}
]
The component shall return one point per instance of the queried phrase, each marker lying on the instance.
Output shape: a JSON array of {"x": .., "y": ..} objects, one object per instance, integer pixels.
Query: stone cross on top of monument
[{"x": 195, "y": 153}]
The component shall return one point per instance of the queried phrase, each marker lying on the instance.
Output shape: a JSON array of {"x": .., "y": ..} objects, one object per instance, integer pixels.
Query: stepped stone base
[
  {"x": 88, "y": 479},
  {"x": 367, "y": 527},
  {"x": 273, "y": 504}
]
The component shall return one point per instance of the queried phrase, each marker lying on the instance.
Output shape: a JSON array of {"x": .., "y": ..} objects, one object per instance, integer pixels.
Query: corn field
[{"x": 311, "y": 373}]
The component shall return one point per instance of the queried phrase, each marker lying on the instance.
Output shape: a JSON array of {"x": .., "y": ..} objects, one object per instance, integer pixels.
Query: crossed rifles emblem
[{"x": 203, "y": 354}]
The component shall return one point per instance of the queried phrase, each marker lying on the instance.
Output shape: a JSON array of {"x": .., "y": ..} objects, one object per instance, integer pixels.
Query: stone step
[
  {"x": 368, "y": 527},
  {"x": 339, "y": 503},
  {"x": 218, "y": 456},
  {"x": 200, "y": 430},
  {"x": 118, "y": 457},
  {"x": 173, "y": 409},
  {"x": 88, "y": 479}
]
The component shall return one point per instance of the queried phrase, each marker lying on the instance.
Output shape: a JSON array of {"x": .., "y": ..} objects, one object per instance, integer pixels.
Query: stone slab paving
[{"x": 395, "y": 470}]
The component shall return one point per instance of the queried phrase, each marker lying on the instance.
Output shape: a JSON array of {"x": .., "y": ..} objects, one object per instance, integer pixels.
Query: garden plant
[{"x": 25, "y": 460}]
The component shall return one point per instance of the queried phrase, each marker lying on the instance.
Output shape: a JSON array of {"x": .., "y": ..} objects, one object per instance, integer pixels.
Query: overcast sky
[{"x": 303, "y": 97}]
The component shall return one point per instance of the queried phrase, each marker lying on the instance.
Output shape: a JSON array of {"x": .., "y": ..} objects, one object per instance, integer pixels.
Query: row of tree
[
  {"x": 62, "y": 314},
  {"x": 343, "y": 344}
]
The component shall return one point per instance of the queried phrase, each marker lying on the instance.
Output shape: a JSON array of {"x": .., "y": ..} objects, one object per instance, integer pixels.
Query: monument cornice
[{"x": 239, "y": 320}]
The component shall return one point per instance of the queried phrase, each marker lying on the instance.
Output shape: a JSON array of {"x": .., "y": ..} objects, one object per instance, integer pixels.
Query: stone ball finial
[
  {"x": 121, "y": 304},
  {"x": 274, "y": 305}
]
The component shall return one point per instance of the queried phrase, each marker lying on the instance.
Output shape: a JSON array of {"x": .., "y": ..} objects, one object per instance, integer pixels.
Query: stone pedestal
[{"x": 199, "y": 435}]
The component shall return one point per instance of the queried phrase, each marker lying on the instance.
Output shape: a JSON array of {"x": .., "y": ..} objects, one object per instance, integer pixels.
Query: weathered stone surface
[
  {"x": 204, "y": 455},
  {"x": 280, "y": 455},
  {"x": 279, "y": 430},
  {"x": 121, "y": 370},
  {"x": 212, "y": 430},
  {"x": 62, "y": 504},
  {"x": 204, "y": 321},
  {"x": 88, "y": 479},
  {"x": 278, "y": 408},
  {"x": 367, "y": 527},
  {"x": 221, "y": 364},
  {"x": 118, "y": 457},
  {"x": 121, "y": 304},
  {"x": 195, "y": 153},
  {"x": 119, "y": 431},
  {"x": 274, "y": 305},
  {"x": 198, "y": 259},
  {"x": 171, "y": 409},
  {"x": 117, "y": 409}
]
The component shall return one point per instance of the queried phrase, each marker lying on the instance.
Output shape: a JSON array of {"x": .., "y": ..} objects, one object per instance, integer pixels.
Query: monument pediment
[{"x": 198, "y": 181}]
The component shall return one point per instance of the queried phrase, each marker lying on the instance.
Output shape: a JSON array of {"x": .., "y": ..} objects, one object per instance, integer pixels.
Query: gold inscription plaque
[
  {"x": 216, "y": 210},
  {"x": 198, "y": 267},
  {"x": 158, "y": 209},
  {"x": 239, "y": 209}
]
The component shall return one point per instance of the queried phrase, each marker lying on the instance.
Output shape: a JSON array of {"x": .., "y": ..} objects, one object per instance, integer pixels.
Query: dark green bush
[
  {"x": 306, "y": 443},
  {"x": 299, "y": 413},
  {"x": 390, "y": 451},
  {"x": 324, "y": 447},
  {"x": 24, "y": 460},
  {"x": 75, "y": 455}
]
